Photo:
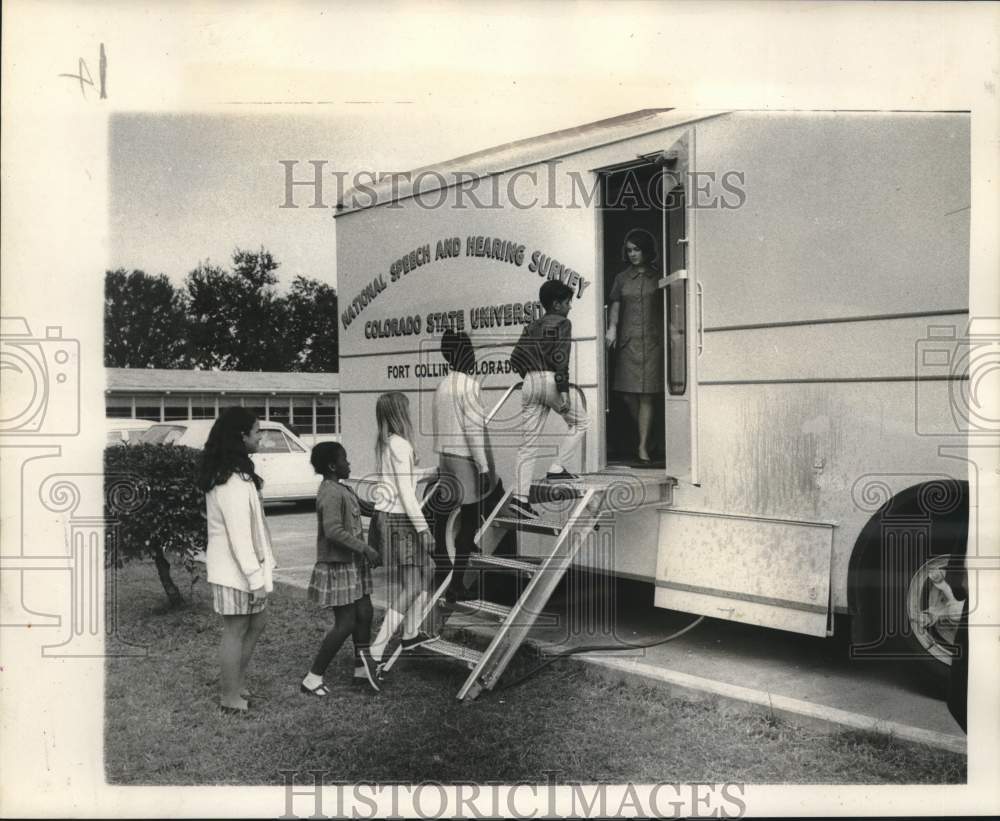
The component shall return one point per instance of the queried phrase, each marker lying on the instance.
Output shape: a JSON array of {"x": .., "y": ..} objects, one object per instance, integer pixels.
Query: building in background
[{"x": 306, "y": 403}]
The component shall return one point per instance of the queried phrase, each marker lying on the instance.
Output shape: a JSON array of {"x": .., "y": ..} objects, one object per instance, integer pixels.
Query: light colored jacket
[
  {"x": 459, "y": 419},
  {"x": 239, "y": 550},
  {"x": 397, "y": 483}
]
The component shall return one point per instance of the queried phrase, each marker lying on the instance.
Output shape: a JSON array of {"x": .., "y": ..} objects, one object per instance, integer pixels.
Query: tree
[
  {"x": 312, "y": 325},
  {"x": 237, "y": 320},
  {"x": 144, "y": 321},
  {"x": 226, "y": 320}
]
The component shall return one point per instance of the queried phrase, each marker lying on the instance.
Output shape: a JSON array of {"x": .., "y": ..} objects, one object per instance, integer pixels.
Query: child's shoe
[{"x": 320, "y": 690}]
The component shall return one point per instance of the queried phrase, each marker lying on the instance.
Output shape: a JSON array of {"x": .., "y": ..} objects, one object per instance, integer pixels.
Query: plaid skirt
[
  {"x": 334, "y": 584},
  {"x": 228, "y": 601},
  {"x": 393, "y": 535}
]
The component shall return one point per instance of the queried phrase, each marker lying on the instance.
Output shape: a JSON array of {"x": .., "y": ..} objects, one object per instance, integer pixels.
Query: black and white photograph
[{"x": 495, "y": 411}]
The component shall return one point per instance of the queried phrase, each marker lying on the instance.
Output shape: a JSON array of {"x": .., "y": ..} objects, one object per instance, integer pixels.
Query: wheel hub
[{"x": 933, "y": 609}]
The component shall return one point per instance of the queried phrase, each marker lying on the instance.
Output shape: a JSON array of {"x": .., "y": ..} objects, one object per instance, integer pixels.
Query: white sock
[
  {"x": 389, "y": 625},
  {"x": 412, "y": 620},
  {"x": 312, "y": 681}
]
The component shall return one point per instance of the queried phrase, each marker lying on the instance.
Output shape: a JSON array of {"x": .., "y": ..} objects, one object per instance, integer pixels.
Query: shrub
[{"x": 150, "y": 492}]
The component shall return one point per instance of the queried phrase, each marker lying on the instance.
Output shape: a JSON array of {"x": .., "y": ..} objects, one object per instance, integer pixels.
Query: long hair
[
  {"x": 392, "y": 413},
  {"x": 645, "y": 242},
  {"x": 225, "y": 453},
  {"x": 456, "y": 348}
]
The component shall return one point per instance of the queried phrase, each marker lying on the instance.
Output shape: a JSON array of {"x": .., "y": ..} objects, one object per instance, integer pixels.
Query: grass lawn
[{"x": 162, "y": 725}]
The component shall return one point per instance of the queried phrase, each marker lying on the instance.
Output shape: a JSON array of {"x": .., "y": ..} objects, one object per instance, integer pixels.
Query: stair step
[
  {"x": 545, "y": 492},
  {"x": 443, "y": 647},
  {"x": 505, "y": 563},
  {"x": 480, "y": 607},
  {"x": 548, "y": 527}
]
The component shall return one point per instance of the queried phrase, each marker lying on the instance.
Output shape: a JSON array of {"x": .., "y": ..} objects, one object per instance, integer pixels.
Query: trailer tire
[{"x": 907, "y": 582}]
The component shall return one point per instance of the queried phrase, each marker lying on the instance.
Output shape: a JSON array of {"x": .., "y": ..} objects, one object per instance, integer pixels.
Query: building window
[
  {"x": 229, "y": 401},
  {"x": 256, "y": 405},
  {"x": 327, "y": 414},
  {"x": 118, "y": 407},
  {"x": 148, "y": 407},
  {"x": 203, "y": 407},
  {"x": 278, "y": 409},
  {"x": 302, "y": 411},
  {"x": 175, "y": 407}
]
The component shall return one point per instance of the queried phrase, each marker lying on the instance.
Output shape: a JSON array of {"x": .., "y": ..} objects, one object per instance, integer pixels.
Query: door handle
[{"x": 700, "y": 292}]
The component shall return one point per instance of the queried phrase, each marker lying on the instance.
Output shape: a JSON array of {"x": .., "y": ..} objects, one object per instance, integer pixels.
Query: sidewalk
[{"x": 805, "y": 679}]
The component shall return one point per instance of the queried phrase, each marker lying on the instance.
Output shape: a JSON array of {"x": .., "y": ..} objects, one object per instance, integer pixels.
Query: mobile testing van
[{"x": 815, "y": 279}]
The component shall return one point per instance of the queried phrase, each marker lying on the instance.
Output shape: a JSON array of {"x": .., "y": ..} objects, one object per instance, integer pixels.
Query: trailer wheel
[
  {"x": 934, "y": 609},
  {"x": 907, "y": 578}
]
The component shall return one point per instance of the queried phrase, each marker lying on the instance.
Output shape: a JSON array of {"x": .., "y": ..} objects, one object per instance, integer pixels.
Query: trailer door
[{"x": 682, "y": 325}]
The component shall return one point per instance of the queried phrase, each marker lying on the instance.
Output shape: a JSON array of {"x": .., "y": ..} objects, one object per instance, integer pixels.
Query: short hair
[
  {"x": 644, "y": 241},
  {"x": 325, "y": 454},
  {"x": 456, "y": 348},
  {"x": 552, "y": 291}
]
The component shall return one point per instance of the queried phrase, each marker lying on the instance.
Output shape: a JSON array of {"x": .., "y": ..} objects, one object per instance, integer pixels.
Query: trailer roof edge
[{"x": 531, "y": 151}]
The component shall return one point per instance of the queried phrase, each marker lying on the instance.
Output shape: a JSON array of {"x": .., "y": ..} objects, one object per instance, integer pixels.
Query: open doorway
[{"x": 636, "y": 213}]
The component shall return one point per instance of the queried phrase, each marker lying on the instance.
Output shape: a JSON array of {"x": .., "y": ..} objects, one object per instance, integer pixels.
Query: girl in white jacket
[
  {"x": 239, "y": 556},
  {"x": 406, "y": 539}
]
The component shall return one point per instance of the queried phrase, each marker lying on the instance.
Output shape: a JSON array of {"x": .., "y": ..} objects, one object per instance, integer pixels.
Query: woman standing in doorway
[
  {"x": 239, "y": 557},
  {"x": 635, "y": 333}
]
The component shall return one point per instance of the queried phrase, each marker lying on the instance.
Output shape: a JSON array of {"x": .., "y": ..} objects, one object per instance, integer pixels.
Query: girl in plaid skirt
[
  {"x": 342, "y": 577},
  {"x": 400, "y": 526}
]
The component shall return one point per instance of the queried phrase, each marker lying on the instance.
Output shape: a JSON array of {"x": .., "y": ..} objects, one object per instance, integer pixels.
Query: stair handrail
[
  {"x": 504, "y": 398},
  {"x": 516, "y": 386}
]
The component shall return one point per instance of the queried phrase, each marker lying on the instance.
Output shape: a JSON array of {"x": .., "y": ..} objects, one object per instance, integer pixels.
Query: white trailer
[{"x": 816, "y": 282}]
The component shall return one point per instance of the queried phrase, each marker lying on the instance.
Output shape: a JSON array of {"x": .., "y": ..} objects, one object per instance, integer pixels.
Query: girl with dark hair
[
  {"x": 342, "y": 577},
  {"x": 635, "y": 332},
  {"x": 239, "y": 556},
  {"x": 465, "y": 459}
]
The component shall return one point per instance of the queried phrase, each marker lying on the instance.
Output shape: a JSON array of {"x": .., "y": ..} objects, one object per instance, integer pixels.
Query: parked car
[
  {"x": 124, "y": 431},
  {"x": 282, "y": 460}
]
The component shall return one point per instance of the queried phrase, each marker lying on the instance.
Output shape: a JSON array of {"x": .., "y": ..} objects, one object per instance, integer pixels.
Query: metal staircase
[
  {"x": 570, "y": 512},
  {"x": 583, "y": 508}
]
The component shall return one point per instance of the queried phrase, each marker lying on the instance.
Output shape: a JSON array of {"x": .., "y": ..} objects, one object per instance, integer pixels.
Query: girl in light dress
[{"x": 406, "y": 541}]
